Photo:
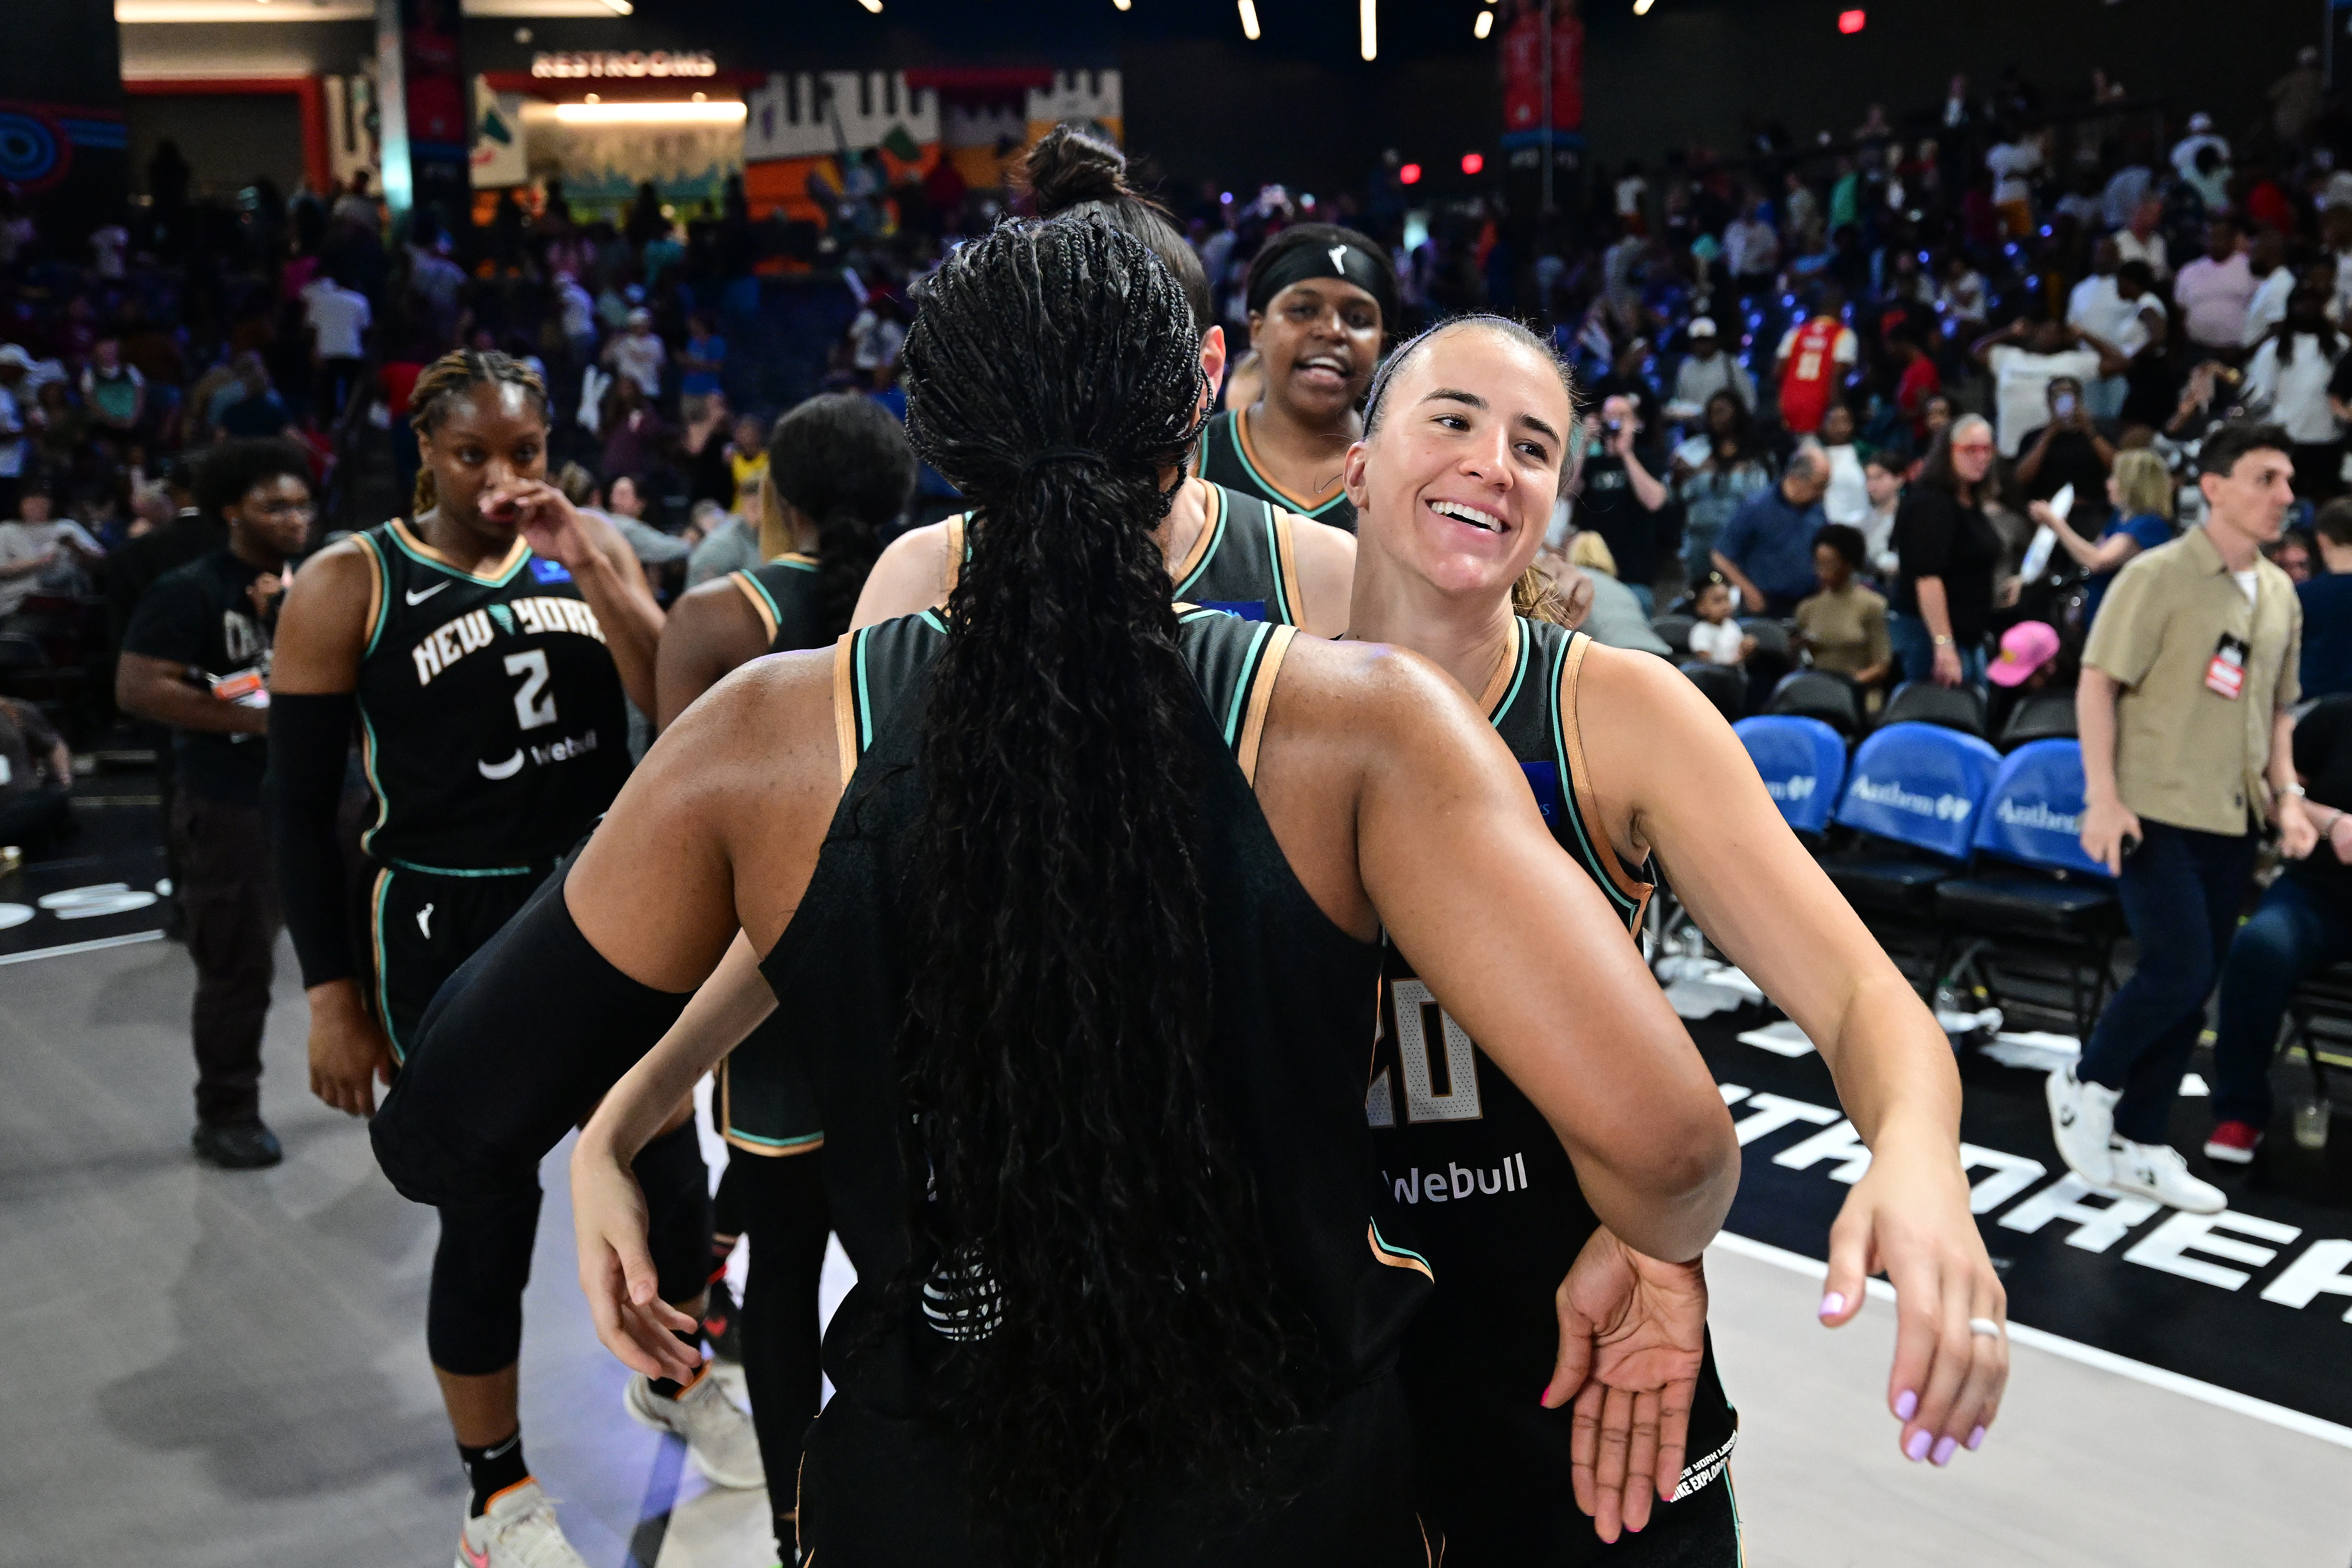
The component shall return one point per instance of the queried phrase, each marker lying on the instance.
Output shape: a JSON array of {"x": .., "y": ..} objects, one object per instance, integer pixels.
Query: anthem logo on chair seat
[{"x": 1892, "y": 795}]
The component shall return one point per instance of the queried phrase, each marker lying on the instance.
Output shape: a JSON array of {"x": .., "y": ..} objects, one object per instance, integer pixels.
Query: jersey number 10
[{"x": 1436, "y": 1059}]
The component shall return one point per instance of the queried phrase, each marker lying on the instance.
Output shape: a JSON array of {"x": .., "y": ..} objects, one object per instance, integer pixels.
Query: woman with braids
[
  {"x": 486, "y": 648},
  {"x": 1321, "y": 300},
  {"x": 1228, "y": 546},
  {"x": 839, "y": 471},
  {"x": 1071, "y": 897},
  {"x": 1453, "y": 485}
]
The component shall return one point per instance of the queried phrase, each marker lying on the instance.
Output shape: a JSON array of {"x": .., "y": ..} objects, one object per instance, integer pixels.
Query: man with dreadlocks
[
  {"x": 486, "y": 647},
  {"x": 1071, "y": 894}
]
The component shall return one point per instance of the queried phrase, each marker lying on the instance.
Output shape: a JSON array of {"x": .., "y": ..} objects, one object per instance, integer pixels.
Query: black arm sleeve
[
  {"x": 516, "y": 1050},
  {"x": 309, "y": 738}
]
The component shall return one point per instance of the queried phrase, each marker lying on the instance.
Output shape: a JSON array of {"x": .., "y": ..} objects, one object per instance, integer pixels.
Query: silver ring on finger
[{"x": 1987, "y": 1327}]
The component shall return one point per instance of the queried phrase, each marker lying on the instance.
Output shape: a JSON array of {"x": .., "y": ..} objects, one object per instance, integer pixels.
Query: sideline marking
[
  {"x": 2089, "y": 1355},
  {"x": 73, "y": 947}
]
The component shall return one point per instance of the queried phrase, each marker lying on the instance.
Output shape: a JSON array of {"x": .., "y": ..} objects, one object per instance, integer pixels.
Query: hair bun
[{"x": 1069, "y": 167}]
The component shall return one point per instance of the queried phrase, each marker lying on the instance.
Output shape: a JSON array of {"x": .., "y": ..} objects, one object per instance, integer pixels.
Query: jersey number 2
[
  {"x": 534, "y": 704},
  {"x": 1439, "y": 1064}
]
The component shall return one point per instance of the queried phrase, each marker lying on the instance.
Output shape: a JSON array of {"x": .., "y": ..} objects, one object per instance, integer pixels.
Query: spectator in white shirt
[
  {"x": 1847, "y": 499},
  {"x": 639, "y": 354},
  {"x": 2213, "y": 292},
  {"x": 339, "y": 319},
  {"x": 2293, "y": 369},
  {"x": 2266, "y": 259},
  {"x": 1751, "y": 251},
  {"x": 2125, "y": 313},
  {"x": 2201, "y": 136},
  {"x": 2014, "y": 157},
  {"x": 2024, "y": 358},
  {"x": 1706, "y": 371},
  {"x": 2125, "y": 189},
  {"x": 1961, "y": 301},
  {"x": 2142, "y": 239}
]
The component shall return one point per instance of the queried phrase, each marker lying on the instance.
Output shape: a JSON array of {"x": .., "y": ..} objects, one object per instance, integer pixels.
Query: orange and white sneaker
[
  {"x": 719, "y": 1437},
  {"x": 518, "y": 1530}
]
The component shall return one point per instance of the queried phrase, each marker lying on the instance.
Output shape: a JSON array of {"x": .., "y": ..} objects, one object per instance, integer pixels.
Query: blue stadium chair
[
  {"x": 2044, "y": 716},
  {"x": 2036, "y": 903},
  {"x": 1803, "y": 764},
  {"x": 1818, "y": 694},
  {"x": 1913, "y": 793},
  {"x": 1725, "y": 685}
]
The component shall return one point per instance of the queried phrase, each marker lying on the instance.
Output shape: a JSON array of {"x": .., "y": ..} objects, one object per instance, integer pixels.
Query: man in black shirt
[
  {"x": 1619, "y": 499},
  {"x": 196, "y": 658},
  {"x": 2067, "y": 450}
]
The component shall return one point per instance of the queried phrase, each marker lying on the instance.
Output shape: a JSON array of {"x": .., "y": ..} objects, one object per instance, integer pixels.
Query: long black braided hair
[
  {"x": 1088, "y": 1220},
  {"x": 842, "y": 462}
]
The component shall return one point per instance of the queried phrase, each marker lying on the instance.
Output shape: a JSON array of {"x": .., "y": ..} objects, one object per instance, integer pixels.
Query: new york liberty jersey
[
  {"x": 1228, "y": 458},
  {"x": 1491, "y": 1196},
  {"x": 1245, "y": 561},
  {"x": 783, "y": 594},
  {"x": 494, "y": 729}
]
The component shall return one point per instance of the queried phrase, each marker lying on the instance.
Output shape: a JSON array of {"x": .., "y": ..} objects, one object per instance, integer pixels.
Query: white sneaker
[
  {"x": 518, "y": 1532},
  {"x": 2157, "y": 1171},
  {"x": 2082, "y": 1121},
  {"x": 720, "y": 1438}
]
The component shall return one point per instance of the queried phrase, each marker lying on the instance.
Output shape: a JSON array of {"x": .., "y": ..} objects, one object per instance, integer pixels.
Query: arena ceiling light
[
  {"x": 1249, "y": 20},
  {"x": 1483, "y": 25},
  {"x": 1641, "y": 7},
  {"x": 1370, "y": 24},
  {"x": 725, "y": 113},
  {"x": 873, "y": 7}
]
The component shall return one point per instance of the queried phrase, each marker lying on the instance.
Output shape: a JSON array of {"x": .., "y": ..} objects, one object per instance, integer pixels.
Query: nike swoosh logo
[
  {"x": 505, "y": 770},
  {"x": 415, "y": 597}
]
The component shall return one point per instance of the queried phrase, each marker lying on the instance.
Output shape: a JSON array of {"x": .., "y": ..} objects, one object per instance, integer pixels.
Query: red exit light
[
  {"x": 1471, "y": 163},
  {"x": 1852, "y": 21},
  {"x": 1410, "y": 174}
]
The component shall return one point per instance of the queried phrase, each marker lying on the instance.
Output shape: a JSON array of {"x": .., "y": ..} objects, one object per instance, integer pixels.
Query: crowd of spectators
[{"x": 1916, "y": 336}]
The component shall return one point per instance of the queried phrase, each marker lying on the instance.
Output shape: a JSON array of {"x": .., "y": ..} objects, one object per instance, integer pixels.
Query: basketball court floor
[{"x": 217, "y": 1369}]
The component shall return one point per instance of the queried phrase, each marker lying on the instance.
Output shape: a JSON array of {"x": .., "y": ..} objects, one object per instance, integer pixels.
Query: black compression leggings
[
  {"x": 473, "y": 1321},
  {"x": 781, "y": 1202}
]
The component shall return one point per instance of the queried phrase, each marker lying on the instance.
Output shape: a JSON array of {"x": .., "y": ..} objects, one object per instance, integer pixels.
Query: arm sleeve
[
  {"x": 516, "y": 1050},
  {"x": 309, "y": 737}
]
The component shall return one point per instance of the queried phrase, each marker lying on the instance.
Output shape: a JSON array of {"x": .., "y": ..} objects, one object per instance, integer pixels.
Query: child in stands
[{"x": 1717, "y": 639}]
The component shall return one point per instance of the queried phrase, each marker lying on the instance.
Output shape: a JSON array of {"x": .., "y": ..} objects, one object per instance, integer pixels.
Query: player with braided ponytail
[{"x": 1069, "y": 894}]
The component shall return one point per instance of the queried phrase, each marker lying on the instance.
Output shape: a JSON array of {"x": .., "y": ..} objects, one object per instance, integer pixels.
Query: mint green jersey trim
[
  {"x": 931, "y": 619},
  {"x": 462, "y": 871},
  {"x": 1249, "y": 678},
  {"x": 752, "y": 580},
  {"x": 1519, "y": 676},
  {"x": 384, "y": 593},
  {"x": 1388, "y": 1245},
  {"x": 367, "y": 766},
  {"x": 865, "y": 702},
  {"x": 1224, "y": 512},
  {"x": 524, "y": 560},
  {"x": 383, "y": 986},
  {"x": 1585, "y": 847},
  {"x": 737, "y": 1135},
  {"x": 1282, "y": 604}
]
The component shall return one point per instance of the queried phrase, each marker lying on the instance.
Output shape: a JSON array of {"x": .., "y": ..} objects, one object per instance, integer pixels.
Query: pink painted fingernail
[
  {"x": 1916, "y": 1449},
  {"x": 1976, "y": 1439},
  {"x": 1833, "y": 1304},
  {"x": 1944, "y": 1449},
  {"x": 1906, "y": 1404}
]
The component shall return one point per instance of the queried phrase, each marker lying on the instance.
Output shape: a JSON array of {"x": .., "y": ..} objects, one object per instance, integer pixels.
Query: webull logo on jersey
[
  {"x": 1460, "y": 1181},
  {"x": 1895, "y": 797},
  {"x": 476, "y": 629}
]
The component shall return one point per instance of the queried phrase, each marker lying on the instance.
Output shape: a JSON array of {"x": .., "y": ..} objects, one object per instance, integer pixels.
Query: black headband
[{"x": 1342, "y": 259}]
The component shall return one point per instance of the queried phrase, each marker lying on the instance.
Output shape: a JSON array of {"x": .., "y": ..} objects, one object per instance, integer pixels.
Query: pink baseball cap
[{"x": 2024, "y": 649}]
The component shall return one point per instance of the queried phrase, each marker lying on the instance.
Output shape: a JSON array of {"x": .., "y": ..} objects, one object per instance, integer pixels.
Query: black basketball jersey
[
  {"x": 1292, "y": 998},
  {"x": 783, "y": 594},
  {"x": 493, "y": 724},
  {"x": 1227, "y": 458},
  {"x": 1244, "y": 562},
  {"x": 1490, "y": 1196}
]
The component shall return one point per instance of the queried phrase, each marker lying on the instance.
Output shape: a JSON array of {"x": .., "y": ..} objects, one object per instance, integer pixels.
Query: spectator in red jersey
[{"x": 1812, "y": 362}]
